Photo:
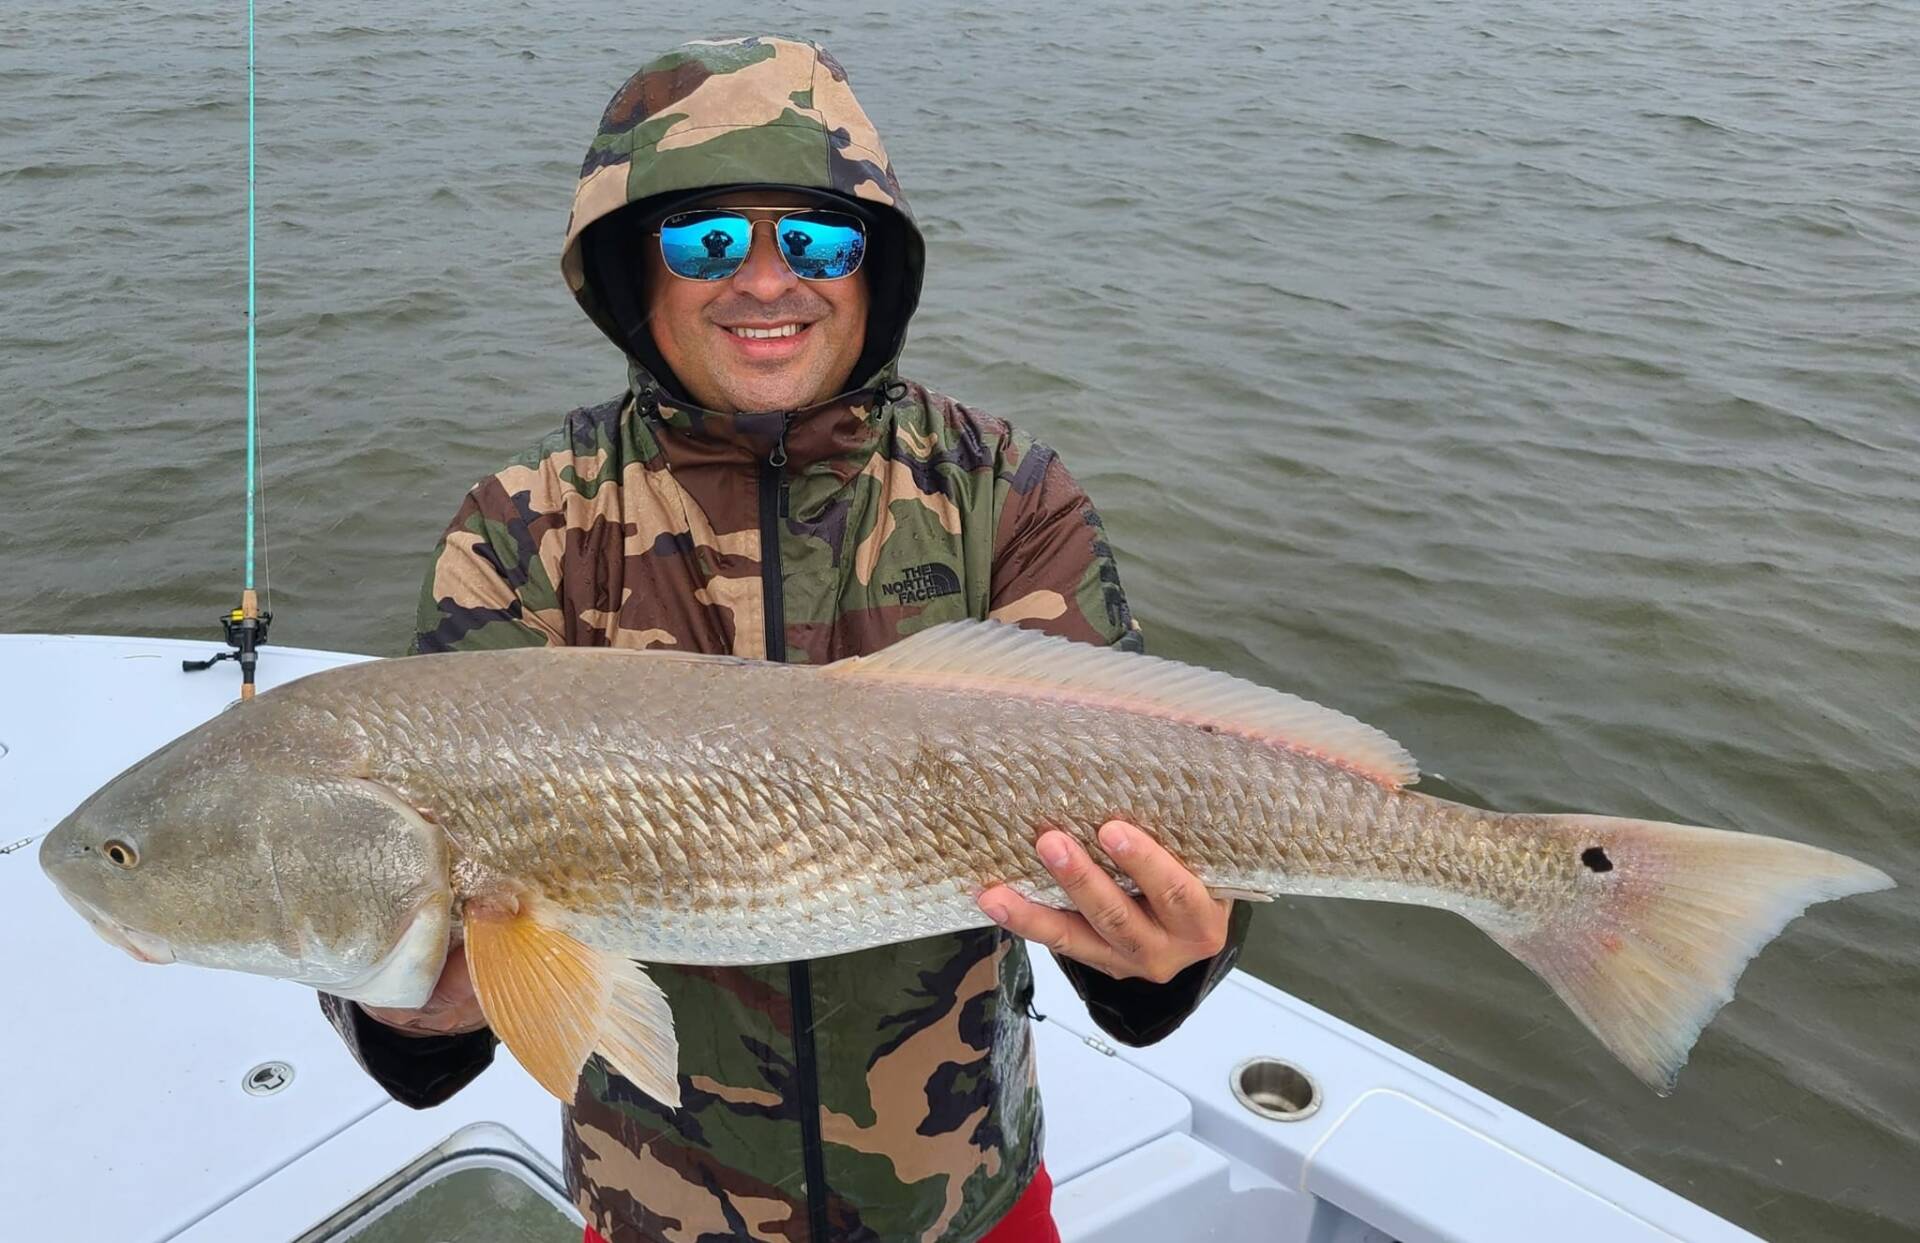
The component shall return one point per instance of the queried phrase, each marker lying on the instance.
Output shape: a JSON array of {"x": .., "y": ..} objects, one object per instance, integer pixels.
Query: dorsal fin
[{"x": 996, "y": 656}]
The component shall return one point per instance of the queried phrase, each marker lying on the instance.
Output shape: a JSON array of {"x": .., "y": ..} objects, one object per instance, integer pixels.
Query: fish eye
[{"x": 121, "y": 854}]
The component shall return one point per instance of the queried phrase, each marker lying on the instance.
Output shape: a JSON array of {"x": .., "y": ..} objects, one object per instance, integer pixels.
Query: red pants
[{"x": 1030, "y": 1220}]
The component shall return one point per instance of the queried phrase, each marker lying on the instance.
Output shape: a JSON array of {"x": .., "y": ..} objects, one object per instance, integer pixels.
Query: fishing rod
[{"x": 246, "y": 624}]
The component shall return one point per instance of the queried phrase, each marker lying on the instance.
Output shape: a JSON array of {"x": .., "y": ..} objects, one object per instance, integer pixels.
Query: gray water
[{"x": 1538, "y": 383}]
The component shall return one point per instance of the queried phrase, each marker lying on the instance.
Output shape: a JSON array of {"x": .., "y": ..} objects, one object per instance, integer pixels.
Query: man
[{"x": 769, "y": 487}]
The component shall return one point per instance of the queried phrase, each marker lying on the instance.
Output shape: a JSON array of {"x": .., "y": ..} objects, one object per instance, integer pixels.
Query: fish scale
[
  {"x": 712, "y": 810},
  {"x": 901, "y": 764}
]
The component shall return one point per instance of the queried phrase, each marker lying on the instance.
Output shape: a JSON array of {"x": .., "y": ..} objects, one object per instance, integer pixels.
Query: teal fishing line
[
  {"x": 252, "y": 403},
  {"x": 246, "y": 626}
]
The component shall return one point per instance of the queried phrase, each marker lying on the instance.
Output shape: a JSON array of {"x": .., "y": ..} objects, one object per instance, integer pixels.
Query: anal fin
[
  {"x": 1240, "y": 895},
  {"x": 555, "y": 1002}
]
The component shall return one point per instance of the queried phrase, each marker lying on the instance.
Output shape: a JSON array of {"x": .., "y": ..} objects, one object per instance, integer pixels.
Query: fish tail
[{"x": 1665, "y": 919}]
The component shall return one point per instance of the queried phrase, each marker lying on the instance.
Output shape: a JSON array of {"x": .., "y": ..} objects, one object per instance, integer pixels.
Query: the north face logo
[{"x": 921, "y": 583}]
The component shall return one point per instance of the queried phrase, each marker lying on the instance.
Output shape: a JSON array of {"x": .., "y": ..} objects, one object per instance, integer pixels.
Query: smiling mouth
[{"x": 749, "y": 333}]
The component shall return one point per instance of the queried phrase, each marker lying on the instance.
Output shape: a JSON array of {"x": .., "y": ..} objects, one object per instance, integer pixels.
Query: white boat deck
[{"x": 126, "y": 1118}]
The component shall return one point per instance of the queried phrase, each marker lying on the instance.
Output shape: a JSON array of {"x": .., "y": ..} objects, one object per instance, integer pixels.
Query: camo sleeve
[
  {"x": 475, "y": 594},
  {"x": 1053, "y": 570},
  {"x": 1052, "y": 567}
]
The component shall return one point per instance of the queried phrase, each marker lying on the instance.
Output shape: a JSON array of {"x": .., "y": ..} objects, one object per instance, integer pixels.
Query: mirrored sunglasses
[{"x": 711, "y": 245}]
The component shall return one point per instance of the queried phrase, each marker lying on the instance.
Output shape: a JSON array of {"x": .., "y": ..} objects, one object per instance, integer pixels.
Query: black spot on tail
[{"x": 1596, "y": 859}]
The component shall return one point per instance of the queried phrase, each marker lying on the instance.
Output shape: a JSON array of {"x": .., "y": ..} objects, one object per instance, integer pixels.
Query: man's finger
[
  {"x": 1114, "y": 913},
  {"x": 1179, "y": 902},
  {"x": 1066, "y": 933}
]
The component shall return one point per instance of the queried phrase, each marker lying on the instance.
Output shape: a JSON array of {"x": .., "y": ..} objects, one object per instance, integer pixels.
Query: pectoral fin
[
  {"x": 555, "y": 1002},
  {"x": 1239, "y": 895}
]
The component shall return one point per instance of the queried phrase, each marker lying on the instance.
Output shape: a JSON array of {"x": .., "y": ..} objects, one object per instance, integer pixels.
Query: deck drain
[
  {"x": 1276, "y": 1089},
  {"x": 267, "y": 1078}
]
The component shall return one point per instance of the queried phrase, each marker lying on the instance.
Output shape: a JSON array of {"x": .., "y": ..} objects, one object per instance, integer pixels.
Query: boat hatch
[{"x": 483, "y": 1185}]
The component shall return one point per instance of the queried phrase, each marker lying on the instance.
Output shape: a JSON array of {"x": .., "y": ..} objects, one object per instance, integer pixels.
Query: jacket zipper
[
  {"x": 806, "y": 1069},
  {"x": 806, "y": 1065},
  {"x": 773, "y": 508}
]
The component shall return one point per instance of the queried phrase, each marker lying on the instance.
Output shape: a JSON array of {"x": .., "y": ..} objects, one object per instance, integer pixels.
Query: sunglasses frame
[{"x": 778, "y": 218}]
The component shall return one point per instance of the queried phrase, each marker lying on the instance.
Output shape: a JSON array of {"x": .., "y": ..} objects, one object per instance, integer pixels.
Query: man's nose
[{"x": 765, "y": 275}]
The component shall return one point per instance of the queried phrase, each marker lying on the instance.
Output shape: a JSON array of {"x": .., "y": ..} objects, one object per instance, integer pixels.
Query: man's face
[{"x": 694, "y": 322}]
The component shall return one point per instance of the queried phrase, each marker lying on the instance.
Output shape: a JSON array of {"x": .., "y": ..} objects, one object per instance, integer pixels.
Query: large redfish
[{"x": 573, "y": 810}]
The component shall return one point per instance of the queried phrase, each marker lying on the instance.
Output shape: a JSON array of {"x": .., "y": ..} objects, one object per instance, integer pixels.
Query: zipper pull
[{"x": 778, "y": 460}]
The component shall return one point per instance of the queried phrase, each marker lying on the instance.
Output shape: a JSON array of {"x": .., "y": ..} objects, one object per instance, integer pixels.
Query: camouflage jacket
[{"x": 881, "y": 1095}]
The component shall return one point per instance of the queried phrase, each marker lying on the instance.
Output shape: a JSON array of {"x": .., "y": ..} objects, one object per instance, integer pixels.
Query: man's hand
[
  {"x": 452, "y": 1010},
  {"x": 1172, "y": 925}
]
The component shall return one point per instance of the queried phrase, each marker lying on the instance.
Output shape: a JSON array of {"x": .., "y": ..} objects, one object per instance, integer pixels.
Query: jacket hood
[{"x": 759, "y": 112}]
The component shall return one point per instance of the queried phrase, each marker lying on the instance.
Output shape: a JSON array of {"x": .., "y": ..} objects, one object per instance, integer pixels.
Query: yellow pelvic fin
[{"x": 555, "y": 1002}]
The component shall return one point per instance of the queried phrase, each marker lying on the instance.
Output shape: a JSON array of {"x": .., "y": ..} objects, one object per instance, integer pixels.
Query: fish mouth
[
  {"x": 143, "y": 946},
  {"x": 139, "y": 944}
]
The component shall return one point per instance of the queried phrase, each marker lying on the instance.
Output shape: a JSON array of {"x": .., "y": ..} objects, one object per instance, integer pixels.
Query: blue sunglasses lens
[
  {"x": 822, "y": 245},
  {"x": 705, "y": 245},
  {"x": 711, "y": 245}
]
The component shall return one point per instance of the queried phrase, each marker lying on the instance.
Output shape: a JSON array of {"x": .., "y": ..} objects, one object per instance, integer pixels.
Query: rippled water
[{"x": 1537, "y": 382}]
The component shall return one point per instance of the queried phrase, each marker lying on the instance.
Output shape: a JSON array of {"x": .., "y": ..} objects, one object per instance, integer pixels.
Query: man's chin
[{"x": 772, "y": 399}]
